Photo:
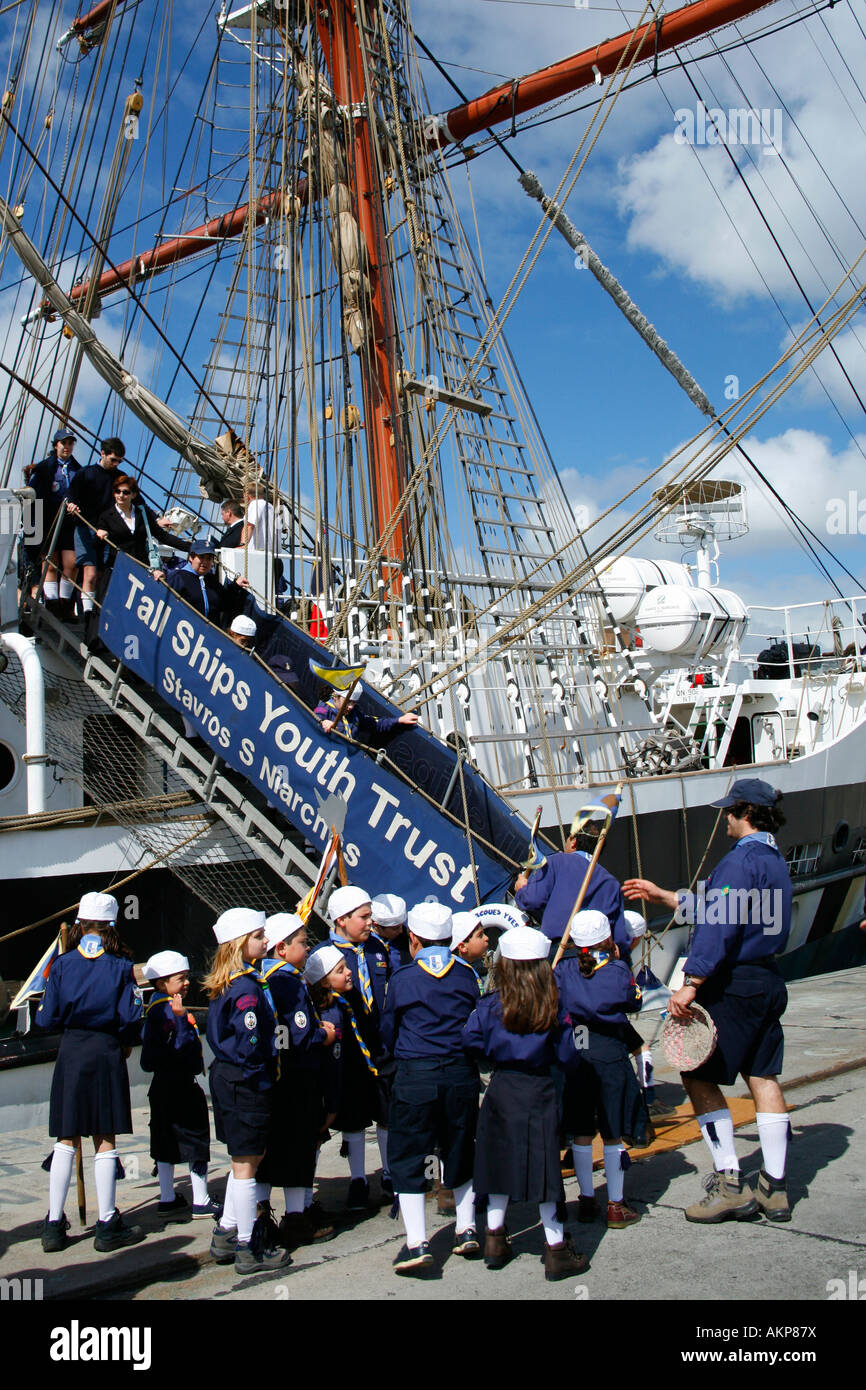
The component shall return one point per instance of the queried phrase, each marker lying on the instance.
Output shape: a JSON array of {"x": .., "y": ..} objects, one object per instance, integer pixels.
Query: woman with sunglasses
[{"x": 129, "y": 524}]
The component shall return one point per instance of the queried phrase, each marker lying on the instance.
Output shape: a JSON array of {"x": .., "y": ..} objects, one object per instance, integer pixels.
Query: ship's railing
[{"x": 806, "y": 638}]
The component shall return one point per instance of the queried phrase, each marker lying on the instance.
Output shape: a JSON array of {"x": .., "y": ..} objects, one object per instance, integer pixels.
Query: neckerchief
[
  {"x": 435, "y": 960},
  {"x": 363, "y": 968},
  {"x": 762, "y": 836},
  {"x": 353, "y": 1024},
  {"x": 600, "y": 960},
  {"x": 166, "y": 999},
  {"x": 90, "y": 946}
]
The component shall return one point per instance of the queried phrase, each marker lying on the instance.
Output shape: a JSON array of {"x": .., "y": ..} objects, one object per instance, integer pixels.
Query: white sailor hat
[
  {"x": 237, "y": 922},
  {"x": 345, "y": 900},
  {"x": 321, "y": 963},
  {"x": 463, "y": 924},
  {"x": 502, "y": 915},
  {"x": 281, "y": 926},
  {"x": 524, "y": 943},
  {"x": 636, "y": 924},
  {"x": 98, "y": 907},
  {"x": 243, "y": 626},
  {"x": 163, "y": 964},
  {"x": 589, "y": 927},
  {"x": 357, "y": 691},
  {"x": 389, "y": 910},
  {"x": 430, "y": 921}
]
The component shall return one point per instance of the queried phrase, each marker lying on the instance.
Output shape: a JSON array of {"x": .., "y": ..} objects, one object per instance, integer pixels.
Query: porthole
[
  {"x": 8, "y": 766},
  {"x": 840, "y": 837}
]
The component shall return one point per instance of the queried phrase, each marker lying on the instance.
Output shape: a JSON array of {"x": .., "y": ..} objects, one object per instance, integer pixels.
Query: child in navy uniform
[
  {"x": 290, "y": 1160},
  {"x": 179, "y": 1123},
  {"x": 350, "y": 910},
  {"x": 517, "y": 1147},
  {"x": 469, "y": 943},
  {"x": 389, "y": 924},
  {"x": 240, "y": 1030},
  {"x": 435, "y": 1096},
  {"x": 601, "y": 1093},
  {"x": 92, "y": 996}
]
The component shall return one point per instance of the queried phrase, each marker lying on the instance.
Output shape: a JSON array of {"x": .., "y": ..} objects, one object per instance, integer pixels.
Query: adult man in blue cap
[
  {"x": 197, "y": 583},
  {"x": 742, "y": 918}
]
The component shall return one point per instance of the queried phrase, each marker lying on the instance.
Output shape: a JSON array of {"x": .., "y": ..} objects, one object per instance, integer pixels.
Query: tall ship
[{"x": 246, "y": 241}]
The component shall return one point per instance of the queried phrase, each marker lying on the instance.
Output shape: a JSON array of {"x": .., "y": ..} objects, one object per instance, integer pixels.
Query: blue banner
[{"x": 394, "y": 840}]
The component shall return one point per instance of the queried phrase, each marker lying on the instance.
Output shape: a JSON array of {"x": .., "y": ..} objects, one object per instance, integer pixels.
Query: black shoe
[
  {"x": 467, "y": 1244},
  {"x": 114, "y": 1234},
  {"x": 387, "y": 1192},
  {"x": 359, "y": 1195},
  {"x": 176, "y": 1210},
  {"x": 250, "y": 1261},
  {"x": 54, "y": 1236},
  {"x": 413, "y": 1259}
]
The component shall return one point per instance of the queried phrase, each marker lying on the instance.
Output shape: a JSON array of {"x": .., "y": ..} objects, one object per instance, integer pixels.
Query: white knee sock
[
  {"x": 105, "y": 1177},
  {"x": 294, "y": 1197},
  {"x": 228, "y": 1220},
  {"x": 553, "y": 1229},
  {"x": 613, "y": 1173},
  {"x": 464, "y": 1200},
  {"x": 87, "y": 603},
  {"x": 200, "y": 1195},
  {"x": 355, "y": 1145},
  {"x": 263, "y": 1192},
  {"x": 244, "y": 1192},
  {"x": 50, "y": 589},
  {"x": 497, "y": 1206},
  {"x": 60, "y": 1177},
  {"x": 382, "y": 1139},
  {"x": 717, "y": 1127},
  {"x": 67, "y": 588},
  {"x": 582, "y": 1154},
  {"x": 773, "y": 1134},
  {"x": 165, "y": 1173},
  {"x": 414, "y": 1221}
]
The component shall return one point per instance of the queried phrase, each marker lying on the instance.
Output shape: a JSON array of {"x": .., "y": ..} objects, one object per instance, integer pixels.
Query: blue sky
[{"x": 676, "y": 225}]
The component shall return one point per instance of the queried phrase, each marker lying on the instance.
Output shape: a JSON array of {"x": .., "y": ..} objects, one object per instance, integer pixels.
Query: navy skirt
[
  {"x": 290, "y": 1158},
  {"x": 517, "y": 1141},
  {"x": 601, "y": 1094},
  {"x": 90, "y": 1087},
  {"x": 179, "y": 1122}
]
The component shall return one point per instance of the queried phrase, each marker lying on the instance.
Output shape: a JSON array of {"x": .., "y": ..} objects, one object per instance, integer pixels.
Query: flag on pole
[
  {"x": 35, "y": 984},
  {"x": 340, "y": 677},
  {"x": 306, "y": 905},
  {"x": 534, "y": 859},
  {"x": 604, "y": 810}
]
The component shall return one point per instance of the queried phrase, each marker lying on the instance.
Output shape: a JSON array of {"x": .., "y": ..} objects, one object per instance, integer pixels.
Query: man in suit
[{"x": 232, "y": 514}]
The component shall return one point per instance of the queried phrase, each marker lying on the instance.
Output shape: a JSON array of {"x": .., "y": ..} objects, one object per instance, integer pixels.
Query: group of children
[{"x": 388, "y": 1023}]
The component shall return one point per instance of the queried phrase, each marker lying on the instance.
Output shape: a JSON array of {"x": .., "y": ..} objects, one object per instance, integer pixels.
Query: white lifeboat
[
  {"x": 684, "y": 620},
  {"x": 627, "y": 580}
]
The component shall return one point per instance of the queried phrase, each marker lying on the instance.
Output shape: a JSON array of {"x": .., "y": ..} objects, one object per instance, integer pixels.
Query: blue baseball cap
[
  {"x": 59, "y": 436},
  {"x": 202, "y": 548},
  {"x": 751, "y": 790}
]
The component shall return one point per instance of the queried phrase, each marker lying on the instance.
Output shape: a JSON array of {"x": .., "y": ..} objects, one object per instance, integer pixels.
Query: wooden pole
[{"x": 611, "y": 805}]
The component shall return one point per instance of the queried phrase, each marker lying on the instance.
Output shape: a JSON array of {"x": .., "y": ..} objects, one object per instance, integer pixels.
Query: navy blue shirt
[
  {"x": 552, "y": 892},
  {"x": 294, "y": 1010},
  {"x": 92, "y": 490},
  {"x": 605, "y": 997},
  {"x": 398, "y": 950},
  {"x": 379, "y": 967},
  {"x": 88, "y": 988},
  {"x": 426, "y": 1009},
  {"x": 170, "y": 1044},
  {"x": 485, "y": 1035},
  {"x": 746, "y": 908},
  {"x": 222, "y": 601},
  {"x": 51, "y": 479},
  {"x": 240, "y": 1030},
  {"x": 356, "y": 725}
]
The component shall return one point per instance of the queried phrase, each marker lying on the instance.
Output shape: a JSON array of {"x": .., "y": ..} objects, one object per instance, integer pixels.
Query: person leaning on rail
[{"x": 743, "y": 919}]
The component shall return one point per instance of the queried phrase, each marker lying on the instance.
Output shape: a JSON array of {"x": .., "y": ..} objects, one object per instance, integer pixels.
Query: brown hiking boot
[
  {"x": 619, "y": 1216},
  {"x": 445, "y": 1204},
  {"x": 771, "y": 1195},
  {"x": 725, "y": 1198},
  {"x": 563, "y": 1261},
  {"x": 497, "y": 1249}
]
